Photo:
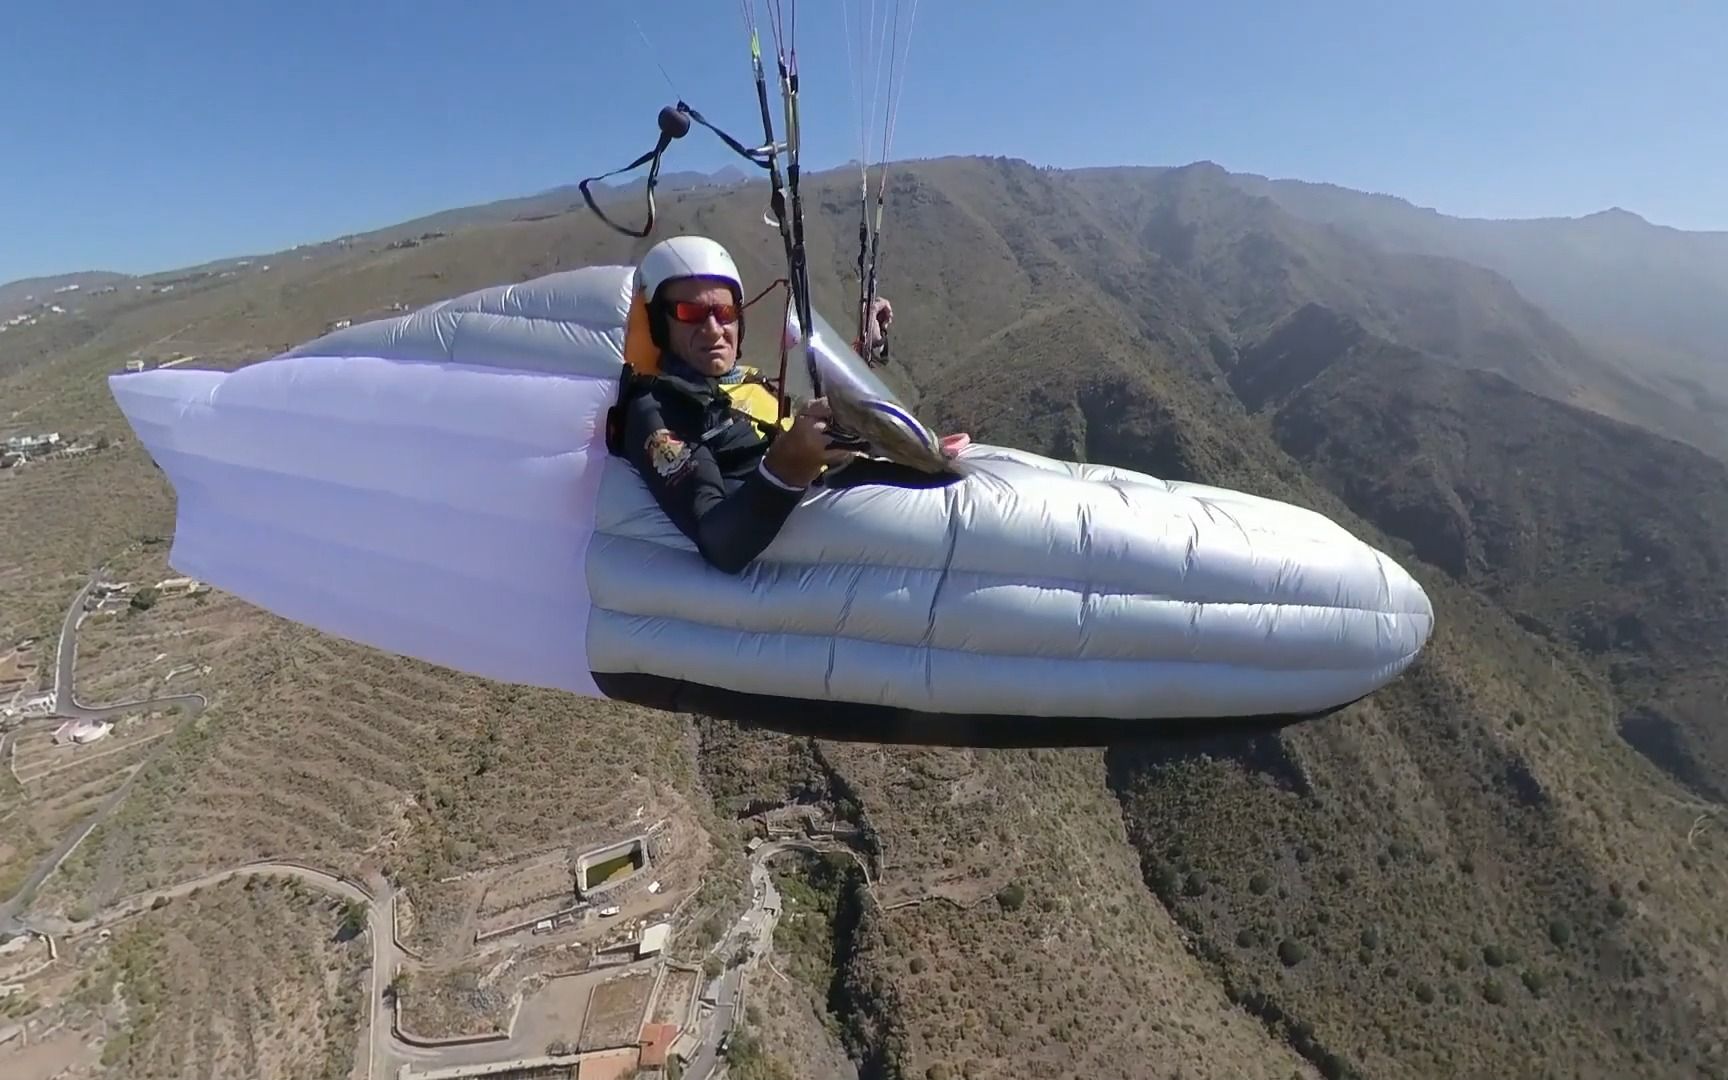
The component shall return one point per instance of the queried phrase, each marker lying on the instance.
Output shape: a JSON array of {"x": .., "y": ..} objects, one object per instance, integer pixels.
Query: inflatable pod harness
[{"x": 437, "y": 485}]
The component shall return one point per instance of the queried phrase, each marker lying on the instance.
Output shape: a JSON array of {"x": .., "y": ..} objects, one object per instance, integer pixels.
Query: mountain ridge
[
  {"x": 1653, "y": 297},
  {"x": 1472, "y": 872}
]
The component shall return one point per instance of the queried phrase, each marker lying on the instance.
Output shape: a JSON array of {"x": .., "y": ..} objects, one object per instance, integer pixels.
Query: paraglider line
[{"x": 654, "y": 54}]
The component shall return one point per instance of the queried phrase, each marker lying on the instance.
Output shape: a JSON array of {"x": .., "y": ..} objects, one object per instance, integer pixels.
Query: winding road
[
  {"x": 385, "y": 953},
  {"x": 66, "y": 706},
  {"x": 65, "y": 660},
  {"x": 753, "y": 931},
  {"x": 12, "y": 911}
]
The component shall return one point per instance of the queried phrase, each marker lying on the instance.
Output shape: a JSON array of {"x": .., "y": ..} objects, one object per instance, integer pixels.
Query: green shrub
[
  {"x": 1164, "y": 881},
  {"x": 115, "y": 1050}
]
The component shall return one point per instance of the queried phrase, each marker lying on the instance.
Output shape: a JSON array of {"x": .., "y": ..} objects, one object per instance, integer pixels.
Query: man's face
[{"x": 708, "y": 346}]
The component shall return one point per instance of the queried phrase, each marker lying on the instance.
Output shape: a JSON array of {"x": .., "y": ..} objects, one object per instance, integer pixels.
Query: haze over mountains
[
  {"x": 1505, "y": 864},
  {"x": 1653, "y": 297}
]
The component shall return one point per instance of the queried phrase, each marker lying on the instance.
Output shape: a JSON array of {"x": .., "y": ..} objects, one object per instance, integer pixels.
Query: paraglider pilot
[{"x": 703, "y": 431}]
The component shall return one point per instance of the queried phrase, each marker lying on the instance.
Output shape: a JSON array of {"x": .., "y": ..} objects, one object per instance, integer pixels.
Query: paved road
[
  {"x": 66, "y": 705},
  {"x": 66, "y": 651},
  {"x": 12, "y": 919},
  {"x": 385, "y": 955},
  {"x": 131, "y": 905},
  {"x": 385, "y": 1054},
  {"x": 753, "y": 930},
  {"x": 65, "y": 660}
]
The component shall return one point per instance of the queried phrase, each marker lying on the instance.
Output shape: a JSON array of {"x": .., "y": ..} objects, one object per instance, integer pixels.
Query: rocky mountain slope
[
  {"x": 1598, "y": 534},
  {"x": 1472, "y": 873},
  {"x": 1652, "y": 299}
]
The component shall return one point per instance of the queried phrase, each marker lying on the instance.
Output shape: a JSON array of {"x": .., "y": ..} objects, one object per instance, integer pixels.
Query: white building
[
  {"x": 33, "y": 444},
  {"x": 185, "y": 585},
  {"x": 82, "y": 732},
  {"x": 654, "y": 939}
]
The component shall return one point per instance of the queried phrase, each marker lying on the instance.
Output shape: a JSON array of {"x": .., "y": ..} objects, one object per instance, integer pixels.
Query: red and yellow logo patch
[{"x": 669, "y": 455}]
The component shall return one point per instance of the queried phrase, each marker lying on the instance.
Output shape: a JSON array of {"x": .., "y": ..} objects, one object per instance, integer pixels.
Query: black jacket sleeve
[{"x": 729, "y": 530}]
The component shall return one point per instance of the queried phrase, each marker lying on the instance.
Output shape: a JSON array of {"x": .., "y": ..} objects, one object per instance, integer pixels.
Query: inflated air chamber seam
[
  {"x": 986, "y": 578},
  {"x": 931, "y": 650}
]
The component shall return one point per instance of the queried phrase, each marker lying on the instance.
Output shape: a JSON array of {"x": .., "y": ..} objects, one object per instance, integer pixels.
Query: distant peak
[
  {"x": 1202, "y": 168},
  {"x": 1617, "y": 213}
]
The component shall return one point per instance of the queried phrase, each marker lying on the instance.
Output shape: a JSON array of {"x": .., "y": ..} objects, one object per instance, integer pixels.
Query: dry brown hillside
[
  {"x": 1469, "y": 874},
  {"x": 1598, "y": 534}
]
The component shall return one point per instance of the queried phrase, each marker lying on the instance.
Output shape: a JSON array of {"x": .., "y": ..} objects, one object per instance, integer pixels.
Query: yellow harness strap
[{"x": 757, "y": 402}]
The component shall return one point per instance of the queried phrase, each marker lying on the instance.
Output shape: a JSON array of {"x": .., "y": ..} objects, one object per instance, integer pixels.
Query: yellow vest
[{"x": 756, "y": 401}]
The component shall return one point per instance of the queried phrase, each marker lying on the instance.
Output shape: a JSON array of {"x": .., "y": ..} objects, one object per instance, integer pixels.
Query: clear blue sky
[{"x": 144, "y": 136}]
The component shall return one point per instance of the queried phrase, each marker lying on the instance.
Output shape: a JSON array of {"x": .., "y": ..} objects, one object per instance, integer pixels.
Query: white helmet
[{"x": 683, "y": 257}]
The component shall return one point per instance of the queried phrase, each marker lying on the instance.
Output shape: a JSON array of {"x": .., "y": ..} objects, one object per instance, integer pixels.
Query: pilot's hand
[
  {"x": 876, "y": 326},
  {"x": 953, "y": 444},
  {"x": 798, "y": 457}
]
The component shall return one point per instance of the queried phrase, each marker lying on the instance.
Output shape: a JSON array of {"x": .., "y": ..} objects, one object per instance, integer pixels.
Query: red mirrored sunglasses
[{"x": 688, "y": 311}]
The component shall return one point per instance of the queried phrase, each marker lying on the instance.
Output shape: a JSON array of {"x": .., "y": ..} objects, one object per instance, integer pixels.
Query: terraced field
[
  {"x": 246, "y": 978},
  {"x": 315, "y": 749},
  {"x": 615, "y": 1011},
  {"x": 50, "y": 788},
  {"x": 17, "y": 666},
  {"x": 61, "y": 519},
  {"x": 449, "y": 1002},
  {"x": 677, "y": 987},
  {"x": 126, "y": 654}
]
